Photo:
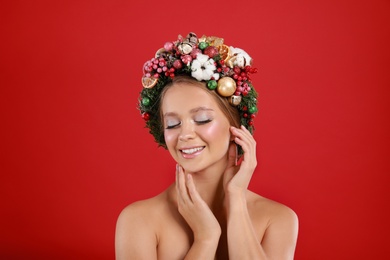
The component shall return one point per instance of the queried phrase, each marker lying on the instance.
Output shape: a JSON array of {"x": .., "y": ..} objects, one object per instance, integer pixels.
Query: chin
[{"x": 190, "y": 167}]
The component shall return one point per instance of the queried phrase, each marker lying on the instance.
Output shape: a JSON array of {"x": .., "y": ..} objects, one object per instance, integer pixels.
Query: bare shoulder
[
  {"x": 140, "y": 210},
  {"x": 276, "y": 224},
  {"x": 135, "y": 235},
  {"x": 274, "y": 211}
]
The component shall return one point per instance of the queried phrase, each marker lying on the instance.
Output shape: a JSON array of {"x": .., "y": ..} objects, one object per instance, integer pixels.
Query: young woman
[{"x": 199, "y": 103}]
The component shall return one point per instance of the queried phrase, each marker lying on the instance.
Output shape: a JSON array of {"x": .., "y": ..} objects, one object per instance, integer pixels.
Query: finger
[
  {"x": 178, "y": 193},
  {"x": 245, "y": 129},
  {"x": 194, "y": 194},
  {"x": 182, "y": 189},
  {"x": 244, "y": 139},
  {"x": 245, "y": 133},
  {"x": 248, "y": 144}
]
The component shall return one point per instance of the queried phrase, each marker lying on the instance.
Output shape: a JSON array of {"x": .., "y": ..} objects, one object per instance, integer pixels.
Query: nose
[{"x": 187, "y": 131}]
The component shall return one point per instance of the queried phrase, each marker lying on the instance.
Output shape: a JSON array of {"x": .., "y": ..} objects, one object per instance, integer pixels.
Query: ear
[{"x": 232, "y": 153}]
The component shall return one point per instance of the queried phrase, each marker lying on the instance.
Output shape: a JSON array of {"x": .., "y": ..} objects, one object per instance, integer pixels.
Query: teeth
[{"x": 192, "y": 150}]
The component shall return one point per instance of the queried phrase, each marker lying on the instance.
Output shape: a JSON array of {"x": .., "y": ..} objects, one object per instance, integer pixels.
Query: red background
[{"x": 74, "y": 150}]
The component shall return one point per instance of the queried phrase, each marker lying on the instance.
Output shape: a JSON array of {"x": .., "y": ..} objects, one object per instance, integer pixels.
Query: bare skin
[{"x": 208, "y": 213}]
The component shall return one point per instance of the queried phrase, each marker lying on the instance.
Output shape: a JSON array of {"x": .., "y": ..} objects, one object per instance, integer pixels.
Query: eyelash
[
  {"x": 172, "y": 126},
  {"x": 203, "y": 122},
  {"x": 198, "y": 122}
]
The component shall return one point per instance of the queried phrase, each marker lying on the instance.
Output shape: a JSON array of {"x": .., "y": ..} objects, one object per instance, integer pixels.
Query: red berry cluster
[
  {"x": 157, "y": 66},
  {"x": 247, "y": 114},
  {"x": 241, "y": 76},
  {"x": 223, "y": 68}
]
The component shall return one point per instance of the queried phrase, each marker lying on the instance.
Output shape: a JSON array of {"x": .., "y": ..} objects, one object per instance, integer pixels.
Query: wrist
[
  {"x": 235, "y": 200},
  {"x": 209, "y": 239},
  {"x": 236, "y": 196}
]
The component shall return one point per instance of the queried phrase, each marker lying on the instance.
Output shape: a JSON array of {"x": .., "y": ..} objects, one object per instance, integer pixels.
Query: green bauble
[
  {"x": 203, "y": 45},
  {"x": 252, "y": 109},
  {"x": 212, "y": 84},
  {"x": 145, "y": 101}
]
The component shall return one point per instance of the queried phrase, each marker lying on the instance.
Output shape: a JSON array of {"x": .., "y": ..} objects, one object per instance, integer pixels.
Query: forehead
[{"x": 184, "y": 97}]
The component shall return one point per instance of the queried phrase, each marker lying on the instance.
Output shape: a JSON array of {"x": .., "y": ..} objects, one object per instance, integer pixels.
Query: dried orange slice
[
  {"x": 224, "y": 51},
  {"x": 149, "y": 82}
]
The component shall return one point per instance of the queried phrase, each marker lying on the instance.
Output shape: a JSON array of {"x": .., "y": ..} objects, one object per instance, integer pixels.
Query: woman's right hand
[{"x": 194, "y": 209}]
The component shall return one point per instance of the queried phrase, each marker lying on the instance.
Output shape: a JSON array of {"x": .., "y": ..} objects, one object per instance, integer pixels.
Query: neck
[
  {"x": 209, "y": 184},
  {"x": 210, "y": 188}
]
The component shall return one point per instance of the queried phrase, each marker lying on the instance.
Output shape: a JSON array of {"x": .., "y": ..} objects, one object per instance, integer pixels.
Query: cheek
[
  {"x": 170, "y": 141},
  {"x": 170, "y": 138},
  {"x": 217, "y": 132}
]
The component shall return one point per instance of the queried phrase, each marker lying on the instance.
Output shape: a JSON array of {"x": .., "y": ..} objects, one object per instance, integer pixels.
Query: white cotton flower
[
  {"x": 242, "y": 58},
  {"x": 203, "y": 68}
]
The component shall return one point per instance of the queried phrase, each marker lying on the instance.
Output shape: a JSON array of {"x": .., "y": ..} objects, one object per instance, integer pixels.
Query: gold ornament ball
[{"x": 226, "y": 86}]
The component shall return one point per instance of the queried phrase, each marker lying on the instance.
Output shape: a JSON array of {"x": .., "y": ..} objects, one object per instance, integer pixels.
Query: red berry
[{"x": 177, "y": 64}]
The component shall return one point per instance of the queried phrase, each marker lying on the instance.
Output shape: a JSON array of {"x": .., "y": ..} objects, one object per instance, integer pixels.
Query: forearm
[
  {"x": 201, "y": 249},
  {"x": 242, "y": 239}
]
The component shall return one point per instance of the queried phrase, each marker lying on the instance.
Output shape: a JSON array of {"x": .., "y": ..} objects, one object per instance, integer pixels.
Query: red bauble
[
  {"x": 195, "y": 52},
  {"x": 145, "y": 116},
  {"x": 211, "y": 51}
]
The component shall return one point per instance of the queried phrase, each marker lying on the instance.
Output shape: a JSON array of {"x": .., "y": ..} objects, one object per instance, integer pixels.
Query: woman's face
[{"x": 196, "y": 132}]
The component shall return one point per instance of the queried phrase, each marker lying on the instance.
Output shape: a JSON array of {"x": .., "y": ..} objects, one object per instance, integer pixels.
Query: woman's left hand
[{"x": 238, "y": 176}]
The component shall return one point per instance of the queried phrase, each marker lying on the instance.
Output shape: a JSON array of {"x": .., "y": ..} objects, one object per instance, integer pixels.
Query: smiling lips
[{"x": 191, "y": 152}]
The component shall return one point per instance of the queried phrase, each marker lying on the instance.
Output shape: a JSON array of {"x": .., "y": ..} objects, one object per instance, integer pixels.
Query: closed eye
[
  {"x": 203, "y": 122},
  {"x": 173, "y": 126}
]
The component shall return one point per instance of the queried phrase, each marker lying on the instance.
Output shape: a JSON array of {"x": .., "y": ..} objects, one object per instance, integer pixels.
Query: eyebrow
[{"x": 192, "y": 111}]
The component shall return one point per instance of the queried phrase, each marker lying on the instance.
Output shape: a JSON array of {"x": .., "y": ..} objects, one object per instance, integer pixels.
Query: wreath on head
[{"x": 223, "y": 68}]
